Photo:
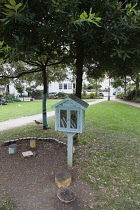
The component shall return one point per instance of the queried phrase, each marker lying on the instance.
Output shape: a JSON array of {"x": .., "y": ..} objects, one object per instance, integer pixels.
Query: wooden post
[
  {"x": 70, "y": 149},
  {"x": 33, "y": 143}
]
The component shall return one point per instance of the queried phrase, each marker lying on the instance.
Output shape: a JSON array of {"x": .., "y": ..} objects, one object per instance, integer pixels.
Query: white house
[{"x": 66, "y": 86}]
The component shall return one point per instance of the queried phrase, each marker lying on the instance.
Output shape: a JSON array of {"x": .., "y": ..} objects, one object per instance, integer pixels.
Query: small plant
[
  {"x": 92, "y": 95},
  {"x": 8, "y": 204}
]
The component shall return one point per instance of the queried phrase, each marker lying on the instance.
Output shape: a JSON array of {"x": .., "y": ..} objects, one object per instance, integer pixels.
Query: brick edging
[{"x": 7, "y": 143}]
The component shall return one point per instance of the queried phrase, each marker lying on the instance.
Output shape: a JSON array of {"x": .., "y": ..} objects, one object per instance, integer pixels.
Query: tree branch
[
  {"x": 20, "y": 74},
  {"x": 52, "y": 64}
]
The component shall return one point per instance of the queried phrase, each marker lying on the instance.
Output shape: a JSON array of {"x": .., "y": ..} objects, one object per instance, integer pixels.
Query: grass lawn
[
  {"x": 112, "y": 163},
  {"x": 21, "y": 109},
  {"x": 109, "y": 153},
  {"x": 25, "y": 108}
]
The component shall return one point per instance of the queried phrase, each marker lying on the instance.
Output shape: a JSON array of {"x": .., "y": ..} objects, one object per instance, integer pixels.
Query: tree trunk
[
  {"x": 125, "y": 82},
  {"x": 44, "y": 98},
  {"x": 109, "y": 90},
  {"x": 79, "y": 69},
  {"x": 96, "y": 86},
  {"x": 47, "y": 91},
  {"x": 137, "y": 86}
]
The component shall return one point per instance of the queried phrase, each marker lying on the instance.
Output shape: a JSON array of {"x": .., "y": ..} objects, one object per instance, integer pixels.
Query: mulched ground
[{"x": 30, "y": 182}]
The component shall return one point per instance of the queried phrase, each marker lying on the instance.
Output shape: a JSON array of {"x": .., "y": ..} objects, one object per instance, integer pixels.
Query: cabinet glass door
[
  {"x": 73, "y": 119},
  {"x": 63, "y": 118}
]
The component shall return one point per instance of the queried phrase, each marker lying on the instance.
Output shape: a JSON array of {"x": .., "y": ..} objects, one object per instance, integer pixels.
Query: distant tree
[
  {"x": 20, "y": 88},
  {"x": 136, "y": 80}
]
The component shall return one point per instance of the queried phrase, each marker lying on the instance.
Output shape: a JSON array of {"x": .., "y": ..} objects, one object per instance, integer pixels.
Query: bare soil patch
[{"x": 30, "y": 182}]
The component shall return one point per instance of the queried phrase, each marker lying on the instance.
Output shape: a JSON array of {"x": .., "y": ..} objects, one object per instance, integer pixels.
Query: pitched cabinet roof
[{"x": 72, "y": 98}]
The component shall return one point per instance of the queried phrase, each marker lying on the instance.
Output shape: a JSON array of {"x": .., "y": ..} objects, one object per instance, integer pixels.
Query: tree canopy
[{"x": 83, "y": 32}]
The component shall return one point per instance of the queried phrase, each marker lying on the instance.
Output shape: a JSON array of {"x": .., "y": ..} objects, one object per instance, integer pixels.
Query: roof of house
[{"x": 75, "y": 99}]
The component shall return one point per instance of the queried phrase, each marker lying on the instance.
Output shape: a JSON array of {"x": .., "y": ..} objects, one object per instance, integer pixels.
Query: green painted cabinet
[{"x": 70, "y": 114}]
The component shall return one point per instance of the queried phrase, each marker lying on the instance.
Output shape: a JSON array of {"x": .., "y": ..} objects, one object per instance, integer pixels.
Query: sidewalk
[
  {"x": 127, "y": 102},
  {"x": 13, "y": 123}
]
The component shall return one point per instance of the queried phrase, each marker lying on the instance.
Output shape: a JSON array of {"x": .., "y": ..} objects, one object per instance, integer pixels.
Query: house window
[
  {"x": 65, "y": 86},
  {"x": 60, "y": 86},
  {"x": 69, "y": 86}
]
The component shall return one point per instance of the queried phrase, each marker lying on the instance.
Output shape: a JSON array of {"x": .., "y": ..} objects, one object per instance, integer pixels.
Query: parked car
[
  {"x": 115, "y": 93},
  {"x": 101, "y": 94}
]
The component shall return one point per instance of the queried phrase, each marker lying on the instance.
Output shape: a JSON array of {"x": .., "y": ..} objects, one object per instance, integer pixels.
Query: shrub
[
  {"x": 137, "y": 100},
  {"x": 53, "y": 96},
  {"x": 62, "y": 95},
  {"x": 10, "y": 98},
  {"x": 92, "y": 95},
  {"x": 131, "y": 95},
  {"x": 37, "y": 94},
  {"x": 85, "y": 96},
  {"x": 120, "y": 95}
]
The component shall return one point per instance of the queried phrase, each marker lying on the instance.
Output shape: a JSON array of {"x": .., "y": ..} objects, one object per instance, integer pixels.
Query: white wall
[
  {"x": 54, "y": 87},
  {"x": 12, "y": 90},
  {"x": 66, "y": 86}
]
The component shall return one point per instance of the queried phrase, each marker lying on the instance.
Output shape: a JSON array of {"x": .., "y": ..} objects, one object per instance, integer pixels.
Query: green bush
[
  {"x": 85, "y": 96},
  {"x": 137, "y": 100},
  {"x": 53, "y": 96},
  {"x": 10, "y": 98},
  {"x": 62, "y": 95},
  {"x": 92, "y": 95},
  {"x": 131, "y": 95},
  {"x": 120, "y": 95},
  {"x": 37, "y": 94}
]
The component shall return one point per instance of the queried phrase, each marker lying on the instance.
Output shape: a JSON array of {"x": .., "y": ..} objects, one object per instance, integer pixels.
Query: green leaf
[
  {"x": 84, "y": 15},
  {"x": 128, "y": 5},
  {"x": 18, "y": 6},
  {"x": 98, "y": 19},
  {"x": 5, "y": 20},
  {"x": 1, "y": 43},
  {"x": 119, "y": 4},
  {"x": 10, "y": 13},
  {"x": 16, "y": 37},
  {"x": 12, "y": 2},
  {"x": 6, "y": 10},
  {"x": 54, "y": 2},
  {"x": 92, "y": 16},
  {"x": 21, "y": 9},
  {"x": 9, "y": 6},
  {"x": 95, "y": 23},
  {"x": 134, "y": 6},
  {"x": 5, "y": 13}
]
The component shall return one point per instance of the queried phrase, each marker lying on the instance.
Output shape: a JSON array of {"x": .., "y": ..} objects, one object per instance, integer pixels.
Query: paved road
[{"x": 13, "y": 123}]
